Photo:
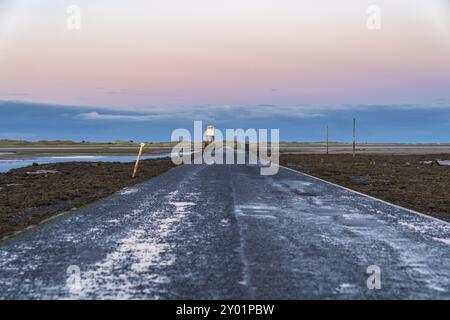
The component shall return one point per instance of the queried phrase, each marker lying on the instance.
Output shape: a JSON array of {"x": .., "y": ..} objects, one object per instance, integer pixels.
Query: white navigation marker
[{"x": 209, "y": 134}]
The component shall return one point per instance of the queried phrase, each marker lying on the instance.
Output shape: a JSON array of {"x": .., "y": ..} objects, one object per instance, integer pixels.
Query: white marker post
[
  {"x": 138, "y": 159},
  {"x": 209, "y": 134},
  {"x": 327, "y": 139}
]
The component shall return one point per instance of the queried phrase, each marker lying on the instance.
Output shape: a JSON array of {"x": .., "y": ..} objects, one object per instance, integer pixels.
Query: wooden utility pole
[
  {"x": 138, "y": 159},
  {"x": 327, "y": 139},
  {"x": 354, "y": 137}
]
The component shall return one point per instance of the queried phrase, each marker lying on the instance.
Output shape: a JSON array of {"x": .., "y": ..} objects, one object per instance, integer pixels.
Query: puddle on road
[
  {"x": 181, "y": 206},
  {"x": 329, "y": 213},
  {"x": 256, "y": 211},
  {"x": 355, "y": 220}
]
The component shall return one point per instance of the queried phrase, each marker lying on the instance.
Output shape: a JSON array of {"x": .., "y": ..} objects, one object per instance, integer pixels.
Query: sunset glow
[{"x": 153, "y": 54}]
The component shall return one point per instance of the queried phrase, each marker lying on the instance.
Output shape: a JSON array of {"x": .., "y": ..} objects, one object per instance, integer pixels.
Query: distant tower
[{"x": 209, "y": 134}]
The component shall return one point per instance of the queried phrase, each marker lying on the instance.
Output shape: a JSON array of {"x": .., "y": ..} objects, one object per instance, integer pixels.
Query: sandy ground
[
  {"x": 401, "y": 179},
  {"x": 31, "y": 194}
]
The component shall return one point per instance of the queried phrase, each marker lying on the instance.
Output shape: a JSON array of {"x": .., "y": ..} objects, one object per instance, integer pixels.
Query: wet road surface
[{"x": 226, "y": 232}]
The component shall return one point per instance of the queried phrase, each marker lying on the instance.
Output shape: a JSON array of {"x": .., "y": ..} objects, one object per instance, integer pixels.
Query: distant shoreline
[{"x": 16, "y": 144}]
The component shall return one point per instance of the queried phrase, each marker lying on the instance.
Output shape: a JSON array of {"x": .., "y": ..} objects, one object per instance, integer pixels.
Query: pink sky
[{"x": 140, "y": 54}]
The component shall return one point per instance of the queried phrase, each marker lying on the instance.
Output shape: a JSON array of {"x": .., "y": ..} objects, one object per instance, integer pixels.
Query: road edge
[
  {"x": 369, "y": 196},
  {"x": 66, "y": 212}
]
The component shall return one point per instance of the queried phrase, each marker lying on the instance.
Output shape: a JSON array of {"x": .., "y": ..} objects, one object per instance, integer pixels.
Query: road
[{"x": 226, "y": 232}]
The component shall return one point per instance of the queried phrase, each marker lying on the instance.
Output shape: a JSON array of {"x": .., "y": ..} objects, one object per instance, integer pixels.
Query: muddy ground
[
  {"x": 31, "y": 194},
  {"x": 400, "y": 179}
]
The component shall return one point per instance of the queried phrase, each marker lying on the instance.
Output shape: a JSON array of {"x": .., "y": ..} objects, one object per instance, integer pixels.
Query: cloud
[
  {"x": 104, "y": 116},
  {"x": 222, "y": 113},
  {"x": 229, "y": 113},
  {"x": 438, "y": 104}
]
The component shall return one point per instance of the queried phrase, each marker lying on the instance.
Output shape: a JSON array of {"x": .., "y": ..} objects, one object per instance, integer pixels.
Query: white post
[
  {"x": 138, "y": 159},
  {"x": 354, "y": 137},
  {"x": 327, "y": 139}
]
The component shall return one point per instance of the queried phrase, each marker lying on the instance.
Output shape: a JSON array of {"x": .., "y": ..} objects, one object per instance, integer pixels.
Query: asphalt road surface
[{"x": 226, "y": 232}]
